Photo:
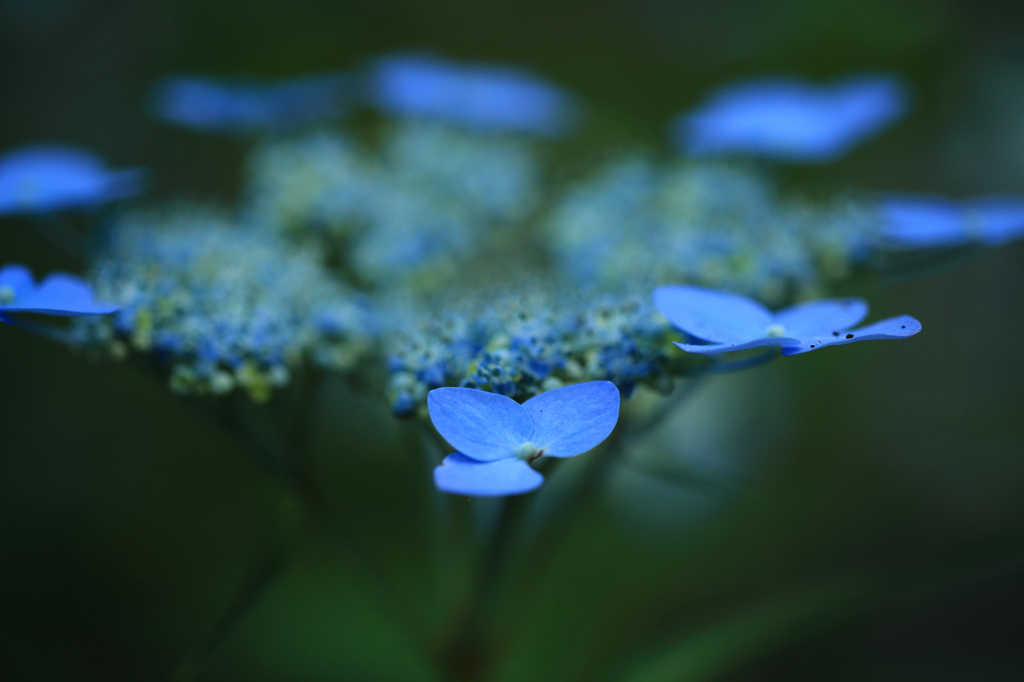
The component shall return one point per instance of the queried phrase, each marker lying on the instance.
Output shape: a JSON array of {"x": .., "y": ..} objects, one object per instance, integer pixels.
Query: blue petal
[
  {"x": 248, "y": 106},
  {"x": 480, "y": 96},
  {"x": 53, "y": 177},
  {"x": 18, "y": 278},
  {"x": 892, "y": 328},
  {"x": 571, "y": 420},
  {"x": 1001, "y": 219},
  {"x": 461, "y": 475},
  {"x": 61, "y": 294},
  {"x": 715, "y": 316},
  {"x": 714, "y": 348},
  {"x": 923, "y": 222},
  {"x": 821, "y": 318},
  {"x": 484, "y": 426},
  {"x": 789, "y": 119}
]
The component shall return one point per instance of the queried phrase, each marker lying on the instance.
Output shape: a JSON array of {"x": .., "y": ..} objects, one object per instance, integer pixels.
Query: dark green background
[{"x": 881, "y": 539}]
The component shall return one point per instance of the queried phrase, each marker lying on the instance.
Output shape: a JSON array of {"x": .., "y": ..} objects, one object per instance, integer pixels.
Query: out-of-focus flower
[
  {"x": 222, "y": 304},
  {"x": 45, "y": 178},
  {"x": 496, "y": 437},
  {"x": 718, "y": 225},
  {"x": 928, "y": 222},
  {"x": 318, "y": 186},
  {"x": 246, "y": 106},
  {"x": 418, "y": 211},
  {"x": 788, "y": 119},
  {"x": 481, "y": 96},
  {"x": 729, "y": 322},
  {"x": 58, "y": 294}
]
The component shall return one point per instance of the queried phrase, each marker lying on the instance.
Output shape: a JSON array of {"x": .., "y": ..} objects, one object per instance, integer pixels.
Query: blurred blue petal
[
  {"x": 788, "y": 119},
  {"x": 17, "y": 278},
  {"x": 59, "y": 294},
  {"x": 53, "y": 177},
  {"x": 716, "y": 316},
  {"x": 931, "y": 222},
  {"x": 484, "y": 426},
  {"x": 893, "y": 328},
  {"x": 213, "y": 105},
  {"x": 923, "y": 222},
  {"x": 1001, "y": 218},
  {"x": 571, "y": 420},
  {"x": 62, "y": 294},
  {"x": 816, "y": 318},
  {"x": 461, "y": 475},
  {"x": 479, "y": 96}
]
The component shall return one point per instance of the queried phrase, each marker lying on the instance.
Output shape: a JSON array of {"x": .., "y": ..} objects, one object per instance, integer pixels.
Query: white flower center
[
  {"x": 775, "y": 331},
  {"x": 7, "y": 294},
  {"x": 527, "y": 451}
]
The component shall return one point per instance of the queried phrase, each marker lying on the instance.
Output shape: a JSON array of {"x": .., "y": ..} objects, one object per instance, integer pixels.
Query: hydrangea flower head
[
  {"x": 928, "y": 222},
  {"x": 788, "y": 119},
  {"x": 213, "y": 105},
  {"x": 224, "y": 305},
  {"x": 46, "y": 178},
  {"x": 58, "y": 294},
  {"x": 496, "y": 437},
  {"x": 480, "y": 96},
  {"x": 524, "y": 341},
  {"x": 692, "y": 221},
  {"x": 729, "y": 322}
]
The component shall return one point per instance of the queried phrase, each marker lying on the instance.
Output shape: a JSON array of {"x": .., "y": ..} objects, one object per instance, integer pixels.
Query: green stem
[
  {"x": 284, "y": 453},
  {"x": 507, "y": 536},
  {"x": 261, "y": 576},
  {"x": 592, "y": 482},
  {"x": 347, "y": 542},
  {"x": 667, "y": 407},
  {"x": 710, "y": 484},
  {"x": 470, "y": 649},
  {"x": 345, "y": 537}
]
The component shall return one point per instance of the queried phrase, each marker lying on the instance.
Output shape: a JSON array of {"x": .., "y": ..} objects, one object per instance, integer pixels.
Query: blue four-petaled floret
[
  {"x": 496, "y": 437},
  {"x": 727, "y": 322}
]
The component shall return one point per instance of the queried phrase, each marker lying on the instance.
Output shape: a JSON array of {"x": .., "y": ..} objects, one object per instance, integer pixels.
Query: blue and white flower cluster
[
  {"x": 429, "y": 199},
  {"x": 721, "y": 226},
  {"x": 222, "y": 304},
  {"x": 439, "y": 242},
  {"x": 521, "y": 344}
]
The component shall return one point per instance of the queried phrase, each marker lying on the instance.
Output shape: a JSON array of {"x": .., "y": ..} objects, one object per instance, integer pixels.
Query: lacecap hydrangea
[{"x": 451, "y": 253}]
